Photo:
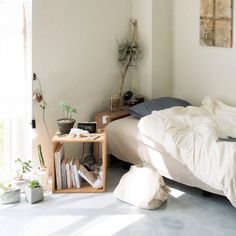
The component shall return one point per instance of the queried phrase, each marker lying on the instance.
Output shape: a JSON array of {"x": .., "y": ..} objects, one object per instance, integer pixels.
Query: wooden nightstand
[
  {"x": 104, "y": 118},
  {"x": 100, "y": 140}
]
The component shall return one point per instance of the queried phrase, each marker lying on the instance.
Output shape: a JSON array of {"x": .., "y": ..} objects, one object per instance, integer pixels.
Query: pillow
[
  {"x": 145, "y": 108},
  {"x": 142, "y": 187}
]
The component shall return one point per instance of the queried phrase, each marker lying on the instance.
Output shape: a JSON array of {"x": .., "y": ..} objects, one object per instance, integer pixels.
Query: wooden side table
[
  {"x": 101, "y": 139},
  {"x": 104, "y": 118}
]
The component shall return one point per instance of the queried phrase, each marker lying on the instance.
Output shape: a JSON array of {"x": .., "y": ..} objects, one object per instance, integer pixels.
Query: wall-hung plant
[
  {"x": 129, "y": 54},
  {"x": 34, "y": 192},
  {"x": 39, "y": 99},
  {"x": 23, "y": 167},
  {"x": 66, "y": 123},
  {"x": 9, "y": 193}
]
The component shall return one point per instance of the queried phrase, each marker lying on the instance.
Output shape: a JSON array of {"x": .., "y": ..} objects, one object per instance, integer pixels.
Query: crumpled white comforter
[{"x": 190, "y": 135}]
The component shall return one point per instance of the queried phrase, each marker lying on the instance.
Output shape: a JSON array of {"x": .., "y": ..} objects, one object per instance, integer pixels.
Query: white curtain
[
  {"x": 12, "y": 57},
  {"x": 15, "y": 64}
]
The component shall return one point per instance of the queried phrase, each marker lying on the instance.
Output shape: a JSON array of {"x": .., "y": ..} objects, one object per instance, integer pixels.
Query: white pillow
[{"x": 142, "y": 187}]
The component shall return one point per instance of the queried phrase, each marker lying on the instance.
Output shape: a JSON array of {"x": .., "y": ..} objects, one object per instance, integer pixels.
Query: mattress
[{"x": 126, "y": 143}]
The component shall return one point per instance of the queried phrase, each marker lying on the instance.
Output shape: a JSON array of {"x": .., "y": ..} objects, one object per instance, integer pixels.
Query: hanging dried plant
[{"x": 130, "y": 53}]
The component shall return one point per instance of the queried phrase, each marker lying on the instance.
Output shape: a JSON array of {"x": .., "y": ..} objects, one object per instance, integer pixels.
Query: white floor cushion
[{"x": 142, "y": 187}]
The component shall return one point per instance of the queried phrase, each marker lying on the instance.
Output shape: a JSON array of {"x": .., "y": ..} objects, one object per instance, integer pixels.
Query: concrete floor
[{"x": 186, "y": 212}]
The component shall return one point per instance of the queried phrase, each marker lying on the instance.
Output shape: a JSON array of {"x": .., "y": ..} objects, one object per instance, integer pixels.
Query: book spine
[
  {"x": 63, "y": 176},
  {"x": 68, "y": 175},
  {"x": 72, "y": 174},
  {"x": 77, "y": 177},
  {"x": 58, "y": 170}
]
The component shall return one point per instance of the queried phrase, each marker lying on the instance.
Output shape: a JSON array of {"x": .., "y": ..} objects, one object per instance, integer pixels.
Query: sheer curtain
[{"x": 15, "y": 88}]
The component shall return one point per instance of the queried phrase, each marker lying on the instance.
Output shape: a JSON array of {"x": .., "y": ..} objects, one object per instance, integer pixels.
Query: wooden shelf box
[{"x": 85, "y": 188}]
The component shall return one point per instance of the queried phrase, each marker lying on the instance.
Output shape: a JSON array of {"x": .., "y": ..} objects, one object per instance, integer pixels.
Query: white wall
[
  {"x": 161, "y": 48},
  {"x": 75, "y": 56},
  {"x": 142, "y": 73},
  {"x": 199, "y": 71},
  {"x": 153, "y": 73}
]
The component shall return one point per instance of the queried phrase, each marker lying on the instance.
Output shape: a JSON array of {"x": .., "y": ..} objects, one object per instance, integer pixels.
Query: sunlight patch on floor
[
  {"x": 108, "y": 225},
  {"x": 176, "y": 193},
  {"x": 48, "y": 225},
  {"x": 5, "y": 206}
]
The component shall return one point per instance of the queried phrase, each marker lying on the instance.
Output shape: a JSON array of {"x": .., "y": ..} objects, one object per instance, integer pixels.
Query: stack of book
[{"x": 70, "y": 172}]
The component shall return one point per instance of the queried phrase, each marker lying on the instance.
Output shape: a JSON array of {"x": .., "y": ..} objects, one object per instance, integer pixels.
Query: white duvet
[{"x": 190, "y": 135}]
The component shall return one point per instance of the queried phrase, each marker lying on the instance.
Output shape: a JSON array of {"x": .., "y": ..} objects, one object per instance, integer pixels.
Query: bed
[{"x": 141, "y": 141}]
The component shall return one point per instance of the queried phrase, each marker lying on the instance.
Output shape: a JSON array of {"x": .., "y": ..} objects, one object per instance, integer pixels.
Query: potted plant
[
  {"x": 34, "y": 192},
  {"x": 129, "y": 54},
  {"x": 9, "y": 193},
  {"x": 66, "y": 123},
  {"x": 42, "y": 170},
  {"x": 23, "y": 167}
]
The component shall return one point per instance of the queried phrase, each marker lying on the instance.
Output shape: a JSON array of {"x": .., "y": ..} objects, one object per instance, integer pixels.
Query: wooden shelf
[
  {"x": 100, "y": 140},
  {"x": 83, "y": 189},
  {"x": 104, "y": 118}
]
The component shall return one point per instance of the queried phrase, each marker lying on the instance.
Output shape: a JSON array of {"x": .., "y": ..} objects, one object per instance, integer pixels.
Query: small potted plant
[
  {"x": 9, "y": 193},
  {"x": 34, "y": 192},
  {"x": 23, "y": 167},
  {"x": 42, "y": 171},
  {"x": 66, "y": 123}
]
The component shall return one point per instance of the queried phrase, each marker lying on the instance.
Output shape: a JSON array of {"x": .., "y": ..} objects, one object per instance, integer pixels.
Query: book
[
  {"x": 63, "y": 173},
  {"x": 75, "y": 173},
  {"x": 59, "y": 153},
  {"x": 72, "y": 172},
  {"x": 68, "y": 174},
  {"x": 85, "y": 174}
]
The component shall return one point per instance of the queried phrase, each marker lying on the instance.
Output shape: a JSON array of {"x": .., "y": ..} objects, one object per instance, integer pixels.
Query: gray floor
[{"x": 186, "y": 212}]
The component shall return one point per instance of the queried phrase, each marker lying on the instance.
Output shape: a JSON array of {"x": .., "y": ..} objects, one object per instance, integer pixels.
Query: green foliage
[
  {"x": 68, "y": 110},
  {"x": 34, "y": 184},
  {"x": 23, "y": 167},
  {"x": 5, "y": 188},
  {"x": 130, "y": 50},
  {"x": 40, "y": 156}
]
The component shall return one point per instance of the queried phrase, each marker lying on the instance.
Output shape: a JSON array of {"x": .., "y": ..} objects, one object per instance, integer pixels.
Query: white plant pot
[
  {"x": 21, "y": 183},
  {"x": 42, "y": 177},
  {"x": 34, "y": 195},
  {"x": 10, "y": 196}
]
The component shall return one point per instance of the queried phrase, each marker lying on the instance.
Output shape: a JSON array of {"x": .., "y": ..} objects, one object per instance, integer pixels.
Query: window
[
  {"x": 2, "y": 145},
  {"x": 15, "y": 50}
]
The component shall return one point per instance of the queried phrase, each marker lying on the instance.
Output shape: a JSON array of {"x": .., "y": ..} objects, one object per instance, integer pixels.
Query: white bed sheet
[{"x": 127, "y": 144}]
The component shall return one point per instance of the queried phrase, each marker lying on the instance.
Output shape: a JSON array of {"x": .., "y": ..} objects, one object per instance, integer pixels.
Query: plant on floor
[
  {"x": 9, "y": 193},
  {"x": 34, "y": 184},
  {"x": 67, "y": 122},
  {"x": 34, "y": 192},
  {"x": 23, "y": 167},
  {"x": 129, "y": 54},
  {"x": 5, "y": 188}
]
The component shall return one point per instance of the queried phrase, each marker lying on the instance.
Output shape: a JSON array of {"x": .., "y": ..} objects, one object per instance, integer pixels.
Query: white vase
[
  {"x": 21, "y": 183},
  {"x": 114, "y": 103},
  {"x": 42, "y": 177}
]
